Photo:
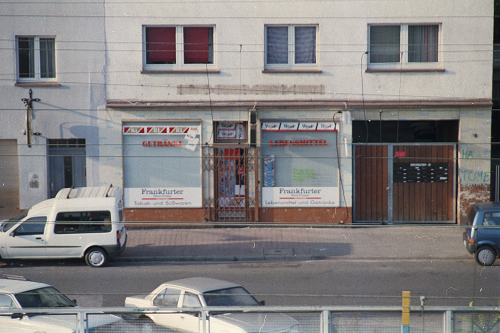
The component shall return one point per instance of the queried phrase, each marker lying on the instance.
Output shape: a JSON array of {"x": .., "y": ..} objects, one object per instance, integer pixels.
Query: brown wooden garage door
[{"x": 404, "y": 183}]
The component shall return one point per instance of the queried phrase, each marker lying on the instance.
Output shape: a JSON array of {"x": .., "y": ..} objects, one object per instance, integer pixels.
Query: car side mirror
[
  {"x": 12, "y": 233},
  {"x": 263, "y": 302}
]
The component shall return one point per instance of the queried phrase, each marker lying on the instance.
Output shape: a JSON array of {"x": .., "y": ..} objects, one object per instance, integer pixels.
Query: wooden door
[
  {"x": 423, "y": 183},
  {"x": 371, "y": 183}
]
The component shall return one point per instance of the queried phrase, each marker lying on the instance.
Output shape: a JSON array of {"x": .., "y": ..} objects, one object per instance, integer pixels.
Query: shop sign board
[
  {"x": 163, "y": 197},
  {"x": 300, "y": 197}
]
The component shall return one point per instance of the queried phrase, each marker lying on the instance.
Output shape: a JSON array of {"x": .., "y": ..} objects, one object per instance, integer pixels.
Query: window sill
[
  {"x": 37, "y": 84},
  {"x": 408, "y": 70},
  {"x": 292, "y": 71},
  {"x": 210, "y": 71}
]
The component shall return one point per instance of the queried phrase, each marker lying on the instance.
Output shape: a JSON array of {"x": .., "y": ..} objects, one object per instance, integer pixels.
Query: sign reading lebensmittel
[{"x": 300, "y": 165}]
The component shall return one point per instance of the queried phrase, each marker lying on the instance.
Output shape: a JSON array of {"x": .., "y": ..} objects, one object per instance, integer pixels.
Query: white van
[{"x": 84, "y": 222}]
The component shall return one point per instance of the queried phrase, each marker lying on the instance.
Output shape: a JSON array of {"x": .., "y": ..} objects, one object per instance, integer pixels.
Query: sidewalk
[{"x": 295, "y": 243}]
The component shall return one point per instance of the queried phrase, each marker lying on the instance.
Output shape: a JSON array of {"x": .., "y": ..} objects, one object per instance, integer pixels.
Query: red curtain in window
[
  {"x": 197, "y": 46},
  {"x": 160, "y": 44}
]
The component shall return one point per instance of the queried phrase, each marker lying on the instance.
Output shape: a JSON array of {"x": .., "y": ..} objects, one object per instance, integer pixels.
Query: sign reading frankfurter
[
  {"x": 300, "y": 197},
  {"x": 157, "y": 197}
]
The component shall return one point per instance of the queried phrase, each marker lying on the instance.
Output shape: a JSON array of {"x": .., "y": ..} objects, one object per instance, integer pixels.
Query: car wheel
[
  {"x": 96, "y": 257},
  {"x": 485, "y": 256},
  {"x": 146, "y": 325}
]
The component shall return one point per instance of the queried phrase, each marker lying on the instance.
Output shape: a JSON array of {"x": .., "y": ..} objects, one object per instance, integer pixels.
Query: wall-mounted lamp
[{"x": 28, "y": 102}]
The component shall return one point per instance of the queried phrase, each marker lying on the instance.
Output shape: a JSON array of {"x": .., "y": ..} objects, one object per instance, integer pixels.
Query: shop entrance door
[
  {"x": 230, "y": 184},
  {"x": 230, "y": 177}
]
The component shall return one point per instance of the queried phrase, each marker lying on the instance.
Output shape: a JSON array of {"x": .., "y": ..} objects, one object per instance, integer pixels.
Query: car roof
[
  {"x": 12, "y": 286},
  {"x": 491, "y": 205},
  {"x": 201, "y": 284}
]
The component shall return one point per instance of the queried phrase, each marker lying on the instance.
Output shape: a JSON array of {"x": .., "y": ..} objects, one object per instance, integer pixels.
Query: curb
[{"x": 277, "y": 258}]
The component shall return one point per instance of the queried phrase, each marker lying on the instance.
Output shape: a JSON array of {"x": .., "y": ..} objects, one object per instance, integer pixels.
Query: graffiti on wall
[{"x": 474, "y": 170}]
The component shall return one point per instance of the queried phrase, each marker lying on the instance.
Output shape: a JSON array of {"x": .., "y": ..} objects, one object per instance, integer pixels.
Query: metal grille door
[{"x": 230, "y": 198}]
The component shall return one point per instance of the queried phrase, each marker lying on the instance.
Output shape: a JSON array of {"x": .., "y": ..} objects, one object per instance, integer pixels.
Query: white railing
[{"x": 319, "y": 319}]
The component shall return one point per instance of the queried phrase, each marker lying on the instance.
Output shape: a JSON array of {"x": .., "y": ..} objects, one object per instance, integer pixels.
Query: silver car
[
  {"x": 205, "y": 292},
  {"x": 17, "y": 296}
]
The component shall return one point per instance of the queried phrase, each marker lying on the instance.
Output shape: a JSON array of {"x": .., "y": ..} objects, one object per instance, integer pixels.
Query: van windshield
[{"x": 13, "y": 221}]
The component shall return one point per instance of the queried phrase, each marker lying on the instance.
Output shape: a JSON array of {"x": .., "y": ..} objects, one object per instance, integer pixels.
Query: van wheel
[
  {"x": 96, "y": 257},
  {"x": 485, "y": 256}
]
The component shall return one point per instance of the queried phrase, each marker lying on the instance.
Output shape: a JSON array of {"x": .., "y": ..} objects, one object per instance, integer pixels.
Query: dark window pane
[
  {"x": 47, "y": 58},
  {"x": 423, "y": 43},
  {"x": 26, "y": 53},
  {"x": 277, "y": 45},
  {"x": 384, "y": 44},
  {"x": 305, "y": 45},
  {"x": 198, "y": 45},
  {"x": 160, "y": 45}
]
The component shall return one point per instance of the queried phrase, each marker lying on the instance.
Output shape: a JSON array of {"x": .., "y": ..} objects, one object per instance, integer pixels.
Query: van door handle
[{"x": 40, "y": 238}]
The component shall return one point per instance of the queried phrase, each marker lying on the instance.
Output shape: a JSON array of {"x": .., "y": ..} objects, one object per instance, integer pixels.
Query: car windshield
[
  {"x": 236, "y": 296},
  {"x": 13, "y": 221},
  {"x": 48, "y": 297},
  {"x": 471, "y": 215}
]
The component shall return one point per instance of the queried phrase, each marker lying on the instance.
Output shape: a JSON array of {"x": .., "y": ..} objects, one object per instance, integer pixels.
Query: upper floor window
[
  {"x": 403, "y": 46},
  {"x": 168, "y": 48},
  {"x": 290, "y": 46},
  {"x": 36, "y": 59}
]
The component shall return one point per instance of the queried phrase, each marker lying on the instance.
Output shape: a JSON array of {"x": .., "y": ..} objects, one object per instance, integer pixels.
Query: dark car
[{"x": 482, "y": 234}]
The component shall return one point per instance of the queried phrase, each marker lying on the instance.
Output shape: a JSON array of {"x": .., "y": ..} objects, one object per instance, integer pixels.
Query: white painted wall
[
  {"x": 342, "y": 41},
  {"x": 66, "y": 111}
]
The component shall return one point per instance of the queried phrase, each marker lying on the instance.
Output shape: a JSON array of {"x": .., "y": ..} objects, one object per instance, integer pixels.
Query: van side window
[
  {"x": 83, "y": 222},
  {"x": 32, "y": 226}
]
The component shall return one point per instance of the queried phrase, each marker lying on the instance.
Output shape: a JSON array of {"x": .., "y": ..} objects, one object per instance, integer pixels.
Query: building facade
[{"x": 222, "y": 111}]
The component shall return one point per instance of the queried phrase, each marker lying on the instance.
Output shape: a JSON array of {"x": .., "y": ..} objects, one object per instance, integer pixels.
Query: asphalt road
[{"x": 447, "y": 282}]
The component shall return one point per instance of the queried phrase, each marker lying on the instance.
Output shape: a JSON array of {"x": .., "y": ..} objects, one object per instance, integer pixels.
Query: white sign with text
[
  {"x": 300, "y": 196},
  {"x": 163, "y": 197}
]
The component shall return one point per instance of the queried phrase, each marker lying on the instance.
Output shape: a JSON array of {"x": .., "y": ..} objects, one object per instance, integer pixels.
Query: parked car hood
[
  {"x": 258, "y": 322},
  {"x": 67, "y": 322}
]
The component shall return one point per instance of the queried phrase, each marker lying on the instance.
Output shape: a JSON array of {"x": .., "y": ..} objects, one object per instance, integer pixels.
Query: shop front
[
  {"x": 290, "y": 173},
  {"x": 162, "y": 171},
  {"x": 300, "y": 172}
]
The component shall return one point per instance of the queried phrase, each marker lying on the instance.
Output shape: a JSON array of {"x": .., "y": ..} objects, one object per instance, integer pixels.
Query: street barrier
[{"x": 309, "y": 319}]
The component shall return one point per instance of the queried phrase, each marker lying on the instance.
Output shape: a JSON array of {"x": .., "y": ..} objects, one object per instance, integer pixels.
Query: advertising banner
[
  {"x": 300, "y": 197},
  {"x": 166, "y": 197}
]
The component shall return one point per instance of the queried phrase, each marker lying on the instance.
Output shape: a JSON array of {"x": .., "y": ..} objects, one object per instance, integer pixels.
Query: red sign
[{"x": 400, "y": 154}]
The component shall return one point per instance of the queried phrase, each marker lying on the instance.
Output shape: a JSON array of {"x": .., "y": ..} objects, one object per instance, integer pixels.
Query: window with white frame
[
  {"x": 36, "y": 58},
  {"x": 290, "y": 46},
  {"x": 178, "y": 47},
  {"x": 403, "y": 46}
]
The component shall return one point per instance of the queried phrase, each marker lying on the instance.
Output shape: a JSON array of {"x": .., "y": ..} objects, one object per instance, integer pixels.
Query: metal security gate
[
  {"x": 408, "y": 183},
  {"x": 230, "y": 174}
]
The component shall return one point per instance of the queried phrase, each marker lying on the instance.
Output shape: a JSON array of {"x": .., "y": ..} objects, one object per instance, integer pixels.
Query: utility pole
[{"x": 28, "y": 102}]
